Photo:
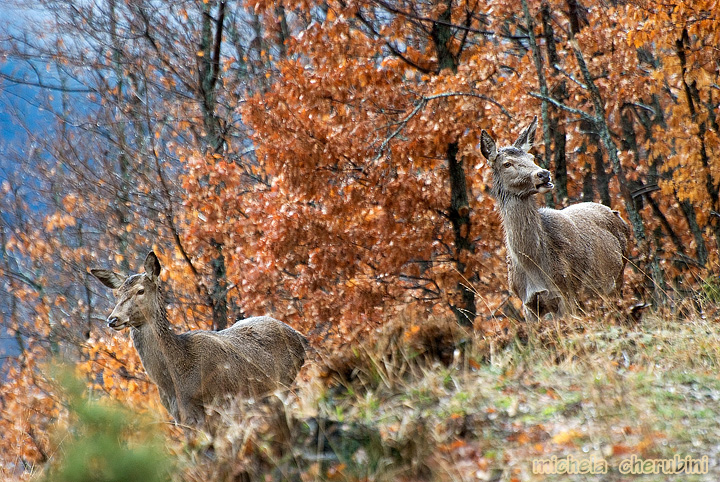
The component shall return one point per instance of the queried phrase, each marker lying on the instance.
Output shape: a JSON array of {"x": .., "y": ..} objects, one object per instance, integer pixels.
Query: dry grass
[{"x": 428, "y": 401}]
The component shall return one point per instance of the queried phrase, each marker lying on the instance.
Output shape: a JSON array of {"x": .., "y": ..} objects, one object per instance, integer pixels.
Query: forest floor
[{"x": 599, "y": 397}]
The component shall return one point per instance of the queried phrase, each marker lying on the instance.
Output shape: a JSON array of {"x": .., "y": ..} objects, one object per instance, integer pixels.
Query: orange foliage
[{"x": 330, "y": 192}]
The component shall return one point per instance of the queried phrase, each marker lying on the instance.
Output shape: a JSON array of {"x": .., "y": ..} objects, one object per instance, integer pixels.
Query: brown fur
[
  {"x": 554, "y": 256},
  {"x": 195, "y": 369}
]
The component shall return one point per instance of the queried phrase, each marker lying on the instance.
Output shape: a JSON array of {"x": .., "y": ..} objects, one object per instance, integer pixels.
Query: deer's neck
[
  {"x": 157, "y": 344},
  {"x": 524, "y": 234}
]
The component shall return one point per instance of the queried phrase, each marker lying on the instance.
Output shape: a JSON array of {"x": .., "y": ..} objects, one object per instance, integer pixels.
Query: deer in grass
[
  {"x": 553, "y": 256},
  {"x": 192, "y": 370}
]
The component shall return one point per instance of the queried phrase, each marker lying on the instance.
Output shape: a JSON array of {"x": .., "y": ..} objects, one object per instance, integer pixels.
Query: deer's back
[
  {"x": 266, "y": 338},
  {"x": 589, "y": 242},
  {"x": 252, "y": 357}
]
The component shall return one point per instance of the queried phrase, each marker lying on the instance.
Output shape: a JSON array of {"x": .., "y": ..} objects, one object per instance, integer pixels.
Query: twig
[
  {"x": 570, "y": 76},
  {"x": 403, "y": 123},
  {"x": 423, "y": 102},
  {"x": 414, "y": 16},
  {"x": 42, "y": 85},
  {"x": 645, "y": 190},
  {"x": 472, "y": 94},
  {"x": 564, "y": 107}
]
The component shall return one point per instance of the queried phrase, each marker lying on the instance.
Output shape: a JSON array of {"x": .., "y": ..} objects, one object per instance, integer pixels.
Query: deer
[
  {"x": 195, "y": 369},
  {"x": 554, "y": 257}
]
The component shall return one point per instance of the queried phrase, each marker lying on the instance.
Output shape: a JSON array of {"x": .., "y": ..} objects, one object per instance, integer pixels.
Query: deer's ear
[
  {"x": 152, "y": 266},
  {"x": 487, "y": 146},
  {"x": 108, "y": 278},
  {"x": 526, "y": 139}
]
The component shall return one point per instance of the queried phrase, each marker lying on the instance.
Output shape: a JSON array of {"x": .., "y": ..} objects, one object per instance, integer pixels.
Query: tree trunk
[
  {"x": 701, "y": 252},
  {"x": 208, "y": 75},
  {"x": 560, "y": 93},
  {"x": 219, "y": 289},
  {"x": 692, "y": 97},
  {"x": 121, "y": 205},
  {"x": 603, "y": 131},
  {"x": 544, "y": 110},
  {"x": 629, "y": 143},
  {"x": 441, "y": 34},
  {"x": 459, "y": 212},
  {"x": 460, "y": 220},
  {"x": 605, "y": 136}
]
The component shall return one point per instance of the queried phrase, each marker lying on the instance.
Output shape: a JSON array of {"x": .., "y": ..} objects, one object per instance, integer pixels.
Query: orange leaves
[
  {"x": 567, "y": 437},
  {"x": 453, "y": 446},
  {"x": 363, "y": 216},
  {"x": 59, "y": 221}
]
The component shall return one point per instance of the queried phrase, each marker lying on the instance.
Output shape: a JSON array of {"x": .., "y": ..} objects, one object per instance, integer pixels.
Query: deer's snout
[
  {"x": 114, "y": 323},
  {"x": 544, "y": 176},
  {"x": 544, "y": 183}
]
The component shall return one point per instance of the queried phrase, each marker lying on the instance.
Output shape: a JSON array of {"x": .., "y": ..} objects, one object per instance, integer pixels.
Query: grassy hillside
[
  {"x": 426, "y": 401},
  {"x": 412, "y": 406}
]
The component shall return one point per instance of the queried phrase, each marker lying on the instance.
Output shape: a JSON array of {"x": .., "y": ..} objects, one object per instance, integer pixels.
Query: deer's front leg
[
  {"x": 170, "y": 403},
  {"x": 516, "y": 280},
  {"x": 191, "y": 413}
]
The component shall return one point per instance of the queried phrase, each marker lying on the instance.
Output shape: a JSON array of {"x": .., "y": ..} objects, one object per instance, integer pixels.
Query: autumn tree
[
  {"x": 317, "y": 161},
  {"x": 365, "y": 141},
  {"x": 369, "y": 141},
  {"x": 127, "y": 84},
  {"x": 677, "y": 39}
]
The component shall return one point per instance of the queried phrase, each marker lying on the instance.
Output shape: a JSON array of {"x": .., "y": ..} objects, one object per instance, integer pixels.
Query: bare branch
[
  {"x": 413, "y": 16},
  {"x": 570, "y": 76},
  {"x": 42, "y": 85},
  {"x": 472, "y": 94},
  {"x": 423, "y": 102},
  {"x": 402, "y": 125},
  {"x": 564, "y": 107}
]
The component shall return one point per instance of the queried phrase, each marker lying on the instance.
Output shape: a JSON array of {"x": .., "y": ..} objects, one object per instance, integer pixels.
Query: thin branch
[
  {"x": 413, "y": 16},
  {"x": 644, "y": 107},
  {"x": 570, "y": 76},
  {"x": 422, "y": 103},
  {"x": 472, "y": 94},
  {"x": 402, "y": 125},
  {"x": 390, "y": 46},
  {"x": 169, "y": 217},
  {"x": 564, "y": 107},
  {"x": 650, "y": 188},
  {"x": 23, "y": 278},
  {"x": 43, "y": 85}
]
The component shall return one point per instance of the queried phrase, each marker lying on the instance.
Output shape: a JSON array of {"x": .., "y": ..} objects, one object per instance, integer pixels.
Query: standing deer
[
  {"x": 194, "y": 369},
  {"x": 553, "y": 255}
]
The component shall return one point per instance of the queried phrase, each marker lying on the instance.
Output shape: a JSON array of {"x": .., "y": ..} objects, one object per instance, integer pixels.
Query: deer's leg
[
  {"x": 518, "y": 285},
  {"x": 535, "y": 306},
  {"x": 556, "y": 304},
  {"x": 191, "y": 412},
  {"x": 543, "y": 302},
  {"x": 170, "y": 404}
]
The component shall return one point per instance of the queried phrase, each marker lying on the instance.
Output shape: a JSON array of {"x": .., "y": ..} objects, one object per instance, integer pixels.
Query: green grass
[{"x": 392, "y": 411}]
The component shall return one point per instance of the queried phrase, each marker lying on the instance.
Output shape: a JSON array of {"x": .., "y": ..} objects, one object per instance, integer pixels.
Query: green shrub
[{"x": 104, "y": 441}]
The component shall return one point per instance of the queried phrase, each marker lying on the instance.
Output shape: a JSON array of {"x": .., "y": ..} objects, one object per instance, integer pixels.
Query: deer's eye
[
  {"x": 141, "y": 291},
  {"x": 507, "y": 164}
]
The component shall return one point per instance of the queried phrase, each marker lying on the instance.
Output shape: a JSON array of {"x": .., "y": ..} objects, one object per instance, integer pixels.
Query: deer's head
[
  {"x": 135, "y": 294},
  {"x": 514, "y": 168}
]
